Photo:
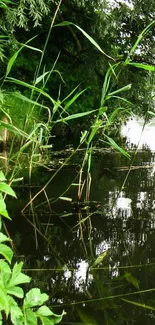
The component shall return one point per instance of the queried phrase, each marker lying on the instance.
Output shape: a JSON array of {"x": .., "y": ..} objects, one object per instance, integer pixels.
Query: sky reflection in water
[{"x": 132, "y": 130}]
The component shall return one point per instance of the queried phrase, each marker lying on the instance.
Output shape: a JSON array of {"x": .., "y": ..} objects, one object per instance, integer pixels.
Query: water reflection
[
  {"x": 136, "y": 135},
  {"x": 119, "y": 222}
]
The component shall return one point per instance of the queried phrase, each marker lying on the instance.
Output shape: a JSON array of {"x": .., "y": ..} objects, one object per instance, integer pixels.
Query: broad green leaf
[
  {"x": 99, "y": 259},
  {"x": 4, "y": 303},
  {"x": 4, "y": 267},
  {"x": 17, "y": 276},
  {"x": 4, "y": 238},
  {"x": 3, "y": 210},
  {"x": 51, "y": 320},
  {"x": 31, "y": 318},
  {"x": 17, "y": 317},
  {"x": 2, "y": 177},
  {"x": 91, "y": 40},
  {"x": 16, "y": 291},
  {"x": 7, "y": 252},
  {"x": 45, "y": 320},
  {"x": 35, "y": 298},
  {"x": 7, "y": 189},
  {"x": 44, "y": 311}
]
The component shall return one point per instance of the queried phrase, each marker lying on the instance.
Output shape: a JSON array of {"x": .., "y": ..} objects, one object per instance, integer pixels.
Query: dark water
[{"x": 71, "y": 235}]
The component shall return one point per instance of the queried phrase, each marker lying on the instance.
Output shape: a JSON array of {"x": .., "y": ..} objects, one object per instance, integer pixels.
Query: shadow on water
[{"x": 95, "y": 259}]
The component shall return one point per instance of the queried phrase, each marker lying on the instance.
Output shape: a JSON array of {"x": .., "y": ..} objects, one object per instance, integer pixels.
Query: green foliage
[{"x": 31, "y": 310}]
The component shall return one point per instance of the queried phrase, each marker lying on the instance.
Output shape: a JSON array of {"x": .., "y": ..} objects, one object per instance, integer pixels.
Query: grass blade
[
  {"x": 91, "y": 40},
  {"x": 142, "y": 66}
]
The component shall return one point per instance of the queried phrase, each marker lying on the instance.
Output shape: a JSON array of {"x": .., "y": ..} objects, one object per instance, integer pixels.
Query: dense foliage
[{"x": 114, "y": 25}]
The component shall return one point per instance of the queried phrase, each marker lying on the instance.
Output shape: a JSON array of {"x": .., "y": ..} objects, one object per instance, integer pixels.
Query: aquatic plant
[{"x": 16, "y": 305}]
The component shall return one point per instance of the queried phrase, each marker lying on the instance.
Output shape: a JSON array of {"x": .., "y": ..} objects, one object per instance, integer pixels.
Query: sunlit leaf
[
  {"x": 17, "y": 276},
  {"x": 7, "y": 189},
  {"x": 4, "y": 238},
  {"x": 142, "y": 66},
  {"x": 7, "y": 252},
  {"x": 35, "y": 298},
  {"x": 16, "y": 315},
  {"x": 3, "y": 210},
  {"x": 2, "y": 177},
  {"x": 31, "y": 317},
  {"x": 117, "y": 147},
  {"x": 64, "y": 198},
  {"x": 16, "y": 291},
  {"x": 99, "y": 259},
  {"x": 74, "y": 116}
]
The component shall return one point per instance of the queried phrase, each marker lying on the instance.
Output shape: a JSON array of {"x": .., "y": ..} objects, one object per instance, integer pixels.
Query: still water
[{"x": 95, "y": 259}]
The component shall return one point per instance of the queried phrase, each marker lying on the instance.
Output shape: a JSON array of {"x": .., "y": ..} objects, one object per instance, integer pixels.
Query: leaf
[
  {"x": 16, "y": 291},
  {"x": 145, "y": 30},
  {"x": 131, "y": 279},
  {"x": 38, "y": 90},
  {"x": 142, "y": 66},
  {"x": 35, "y": 298},
  {"x": 7, "y": 189},
  {"x": 2, "y": 177},
  {"x": 3, "y": 210},
  {"x": 52, "y": 320},
  {"x": 44, "y": 311},
  {"x": 17, "y": 276},
  {"x": 14, "y": 129},
  {"x": 127, "y": 87},
  {"x": 117, "y": 147},
  {"x": 64, "y": 198},
  {"x": 14, "y": 57},
  {"x": 28, "y": 100},
  {"x": 99, "y": 259},
  {"x": 4, "y": 238},
  {"x": 72, "y": 100},
  {"x": 91, "y": 40},
  {"x": 74, "y": 116},
  {"x": 31, "y": 318},
  {"x": 40, "y": 78},
  {"x": 16, "y": 315},
  {"x": 6, "y": 252},
  {"x": 4, "y": 267},
  {"x": 4, "y": 303}
]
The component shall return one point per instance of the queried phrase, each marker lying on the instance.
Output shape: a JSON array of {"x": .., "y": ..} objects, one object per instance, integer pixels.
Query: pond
[{"x": 95, "y": 258}]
